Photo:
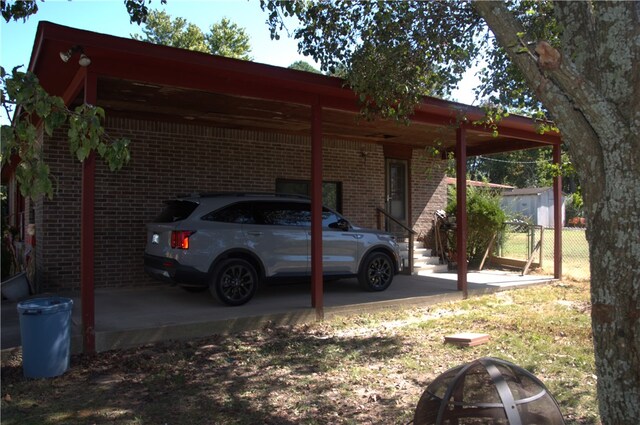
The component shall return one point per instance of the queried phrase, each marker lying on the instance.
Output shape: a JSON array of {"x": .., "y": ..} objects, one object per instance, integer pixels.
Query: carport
[{"x": 159, "y": 83}]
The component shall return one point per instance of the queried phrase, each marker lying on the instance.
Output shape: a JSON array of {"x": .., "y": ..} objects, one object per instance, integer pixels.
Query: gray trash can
[{"x": 45, "y": 329}]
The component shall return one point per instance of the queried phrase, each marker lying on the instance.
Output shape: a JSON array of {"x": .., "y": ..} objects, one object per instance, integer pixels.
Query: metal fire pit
[{"x": 487, "y": 391}]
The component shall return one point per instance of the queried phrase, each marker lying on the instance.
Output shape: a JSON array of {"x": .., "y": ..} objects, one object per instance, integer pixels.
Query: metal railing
[{"x": 380, "y": 214}]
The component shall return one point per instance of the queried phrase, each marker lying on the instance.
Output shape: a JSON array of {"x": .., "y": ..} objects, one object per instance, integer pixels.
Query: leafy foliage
[
  {"x": 160, "y": 28},
  {"x": 501, "y": 82},
  {"x": 19, "y": 9},
  {"x": 575, "y": 206},
  {"x": 393, "y": 52},
  {"x": 485, "y": 217},
  {"x": 41, "y": 112},
  {"x": 138, "y": 10},
  {"x": 304, "y": 66},
  {"x": 224, "y": 38},
  {"x": 529, "y": 168},
  {"x": 23, "y": 9}
]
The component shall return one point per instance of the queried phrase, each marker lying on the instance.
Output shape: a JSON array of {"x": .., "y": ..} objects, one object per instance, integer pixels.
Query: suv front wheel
[
  {"x": 376, "y": 272},
  {"x": 234, "y": 281}
]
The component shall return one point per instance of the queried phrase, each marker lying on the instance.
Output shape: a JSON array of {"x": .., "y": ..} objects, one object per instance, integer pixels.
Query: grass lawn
[
  {"x": 364, "y": 369},
  {"x": 575, "y": 250}
]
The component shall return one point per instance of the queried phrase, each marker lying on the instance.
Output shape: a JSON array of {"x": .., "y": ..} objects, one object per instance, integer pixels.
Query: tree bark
[{"x": 593, "y": 95}]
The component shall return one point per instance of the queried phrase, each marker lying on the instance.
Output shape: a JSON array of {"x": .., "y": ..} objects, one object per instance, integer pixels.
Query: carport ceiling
[
  {"x": 160, "y": 83},
  {"x": 169, "y": 103},
  {"x": 240, "y": 112}
]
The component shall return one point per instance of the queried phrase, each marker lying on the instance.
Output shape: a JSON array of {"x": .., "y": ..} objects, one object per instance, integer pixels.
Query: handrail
[
  {"x": 380, "y": 212},
  {"x": 395, "y": 220}
]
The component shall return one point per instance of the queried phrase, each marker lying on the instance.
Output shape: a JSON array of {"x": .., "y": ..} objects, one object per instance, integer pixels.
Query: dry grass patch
[{"x": 365, "y": 369}]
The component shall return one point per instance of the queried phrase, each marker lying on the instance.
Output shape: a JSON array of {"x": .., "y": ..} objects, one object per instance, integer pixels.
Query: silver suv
[{"x": 230, "y": 243}]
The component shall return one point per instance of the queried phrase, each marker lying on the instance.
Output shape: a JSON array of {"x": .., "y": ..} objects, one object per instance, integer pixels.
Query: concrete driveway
[{"x": 132, "y": 317}]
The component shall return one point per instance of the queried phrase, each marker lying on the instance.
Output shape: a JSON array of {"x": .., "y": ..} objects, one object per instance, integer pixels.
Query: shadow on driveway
[{"x": 133, "y": 317}]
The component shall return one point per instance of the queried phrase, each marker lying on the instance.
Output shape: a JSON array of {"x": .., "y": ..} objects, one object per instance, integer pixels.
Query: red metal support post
[
  {"x": 87, "y": 293},
  {"x": 316, "y": 210},
  {"x": 461, "y": 210},
  {"x": 557, "y": 215}
]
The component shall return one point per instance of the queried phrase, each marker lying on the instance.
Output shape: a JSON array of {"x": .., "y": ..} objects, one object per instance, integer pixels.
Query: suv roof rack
[{"x": 240, "y": 194}]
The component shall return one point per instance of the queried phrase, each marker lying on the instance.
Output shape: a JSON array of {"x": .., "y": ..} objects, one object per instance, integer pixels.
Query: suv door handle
[
  {"x": 355, "y": 236},
  {"x": 255, "y": 233}
]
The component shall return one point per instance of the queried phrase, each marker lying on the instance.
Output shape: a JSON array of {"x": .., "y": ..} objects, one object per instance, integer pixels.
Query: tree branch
[{"x": 586, "y": 150}]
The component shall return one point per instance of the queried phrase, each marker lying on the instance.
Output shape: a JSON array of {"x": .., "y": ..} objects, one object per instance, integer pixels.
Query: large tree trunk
[{"x": 593, "y": 92}]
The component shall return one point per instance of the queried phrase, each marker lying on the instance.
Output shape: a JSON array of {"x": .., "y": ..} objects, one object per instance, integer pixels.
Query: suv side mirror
[{"x": 341, "y": 224}]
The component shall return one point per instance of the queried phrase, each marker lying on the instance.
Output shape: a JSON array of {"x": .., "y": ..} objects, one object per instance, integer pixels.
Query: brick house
[{"x": 202, "y": 123}]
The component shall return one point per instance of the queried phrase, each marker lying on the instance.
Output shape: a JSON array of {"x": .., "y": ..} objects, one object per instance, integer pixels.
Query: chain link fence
[{"x": 520, "y": 243}]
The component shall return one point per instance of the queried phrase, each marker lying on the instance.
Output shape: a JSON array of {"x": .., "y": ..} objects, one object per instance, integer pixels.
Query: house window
[{"x": 331, "y": 191}]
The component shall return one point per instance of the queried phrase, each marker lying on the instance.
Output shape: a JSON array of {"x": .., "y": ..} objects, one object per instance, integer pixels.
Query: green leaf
[
  {"x": 101, "y": 149},
  {"x": 84, "y": 134},
  {"x": 42, "y": 108},
  {"x": 82, "y": 153}
]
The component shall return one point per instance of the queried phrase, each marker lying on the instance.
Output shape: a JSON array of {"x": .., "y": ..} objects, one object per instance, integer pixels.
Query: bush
[
  {"x": 485, "y": 217},
  {"x": 574, "y": 207}
]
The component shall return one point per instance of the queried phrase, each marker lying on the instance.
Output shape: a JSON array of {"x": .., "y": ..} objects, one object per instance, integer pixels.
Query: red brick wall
[
  {"x": 58, "y": 220},
  {"x": 429, "y": 192},
  {"x": 169, "y": 159}
]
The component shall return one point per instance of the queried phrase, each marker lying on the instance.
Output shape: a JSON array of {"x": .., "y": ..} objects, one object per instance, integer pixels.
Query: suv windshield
[{"x": 176, "y": 211}]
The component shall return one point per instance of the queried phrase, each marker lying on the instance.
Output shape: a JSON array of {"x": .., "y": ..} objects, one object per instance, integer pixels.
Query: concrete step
[
  {"x": 404, "y": 246},
  {"x": 420, "y": 259},
  {"x": 422, "y": 252},
  {"x": 430, "y": 269},
  {"x": 417, "y": 253},
  {"x": 425, "y": 261}
]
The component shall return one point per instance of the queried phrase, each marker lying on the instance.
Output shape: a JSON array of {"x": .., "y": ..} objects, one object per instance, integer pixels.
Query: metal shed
[{"x": 535, "y": 203}]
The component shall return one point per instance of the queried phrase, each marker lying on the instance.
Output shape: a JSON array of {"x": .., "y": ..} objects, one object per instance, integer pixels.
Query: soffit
[{"x": 160, "y": 83}]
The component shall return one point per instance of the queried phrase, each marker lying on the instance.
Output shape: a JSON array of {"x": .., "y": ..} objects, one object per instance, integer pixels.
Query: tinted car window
[
  {"x": 176, "y": 211},
  {"x": 329, "y": 217},
  {"x": 236, "y": 213},
  {"x": 283, "y": 214}
]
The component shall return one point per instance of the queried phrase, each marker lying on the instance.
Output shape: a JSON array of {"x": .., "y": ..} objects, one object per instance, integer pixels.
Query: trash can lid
[{"x": 45, "y": 305}]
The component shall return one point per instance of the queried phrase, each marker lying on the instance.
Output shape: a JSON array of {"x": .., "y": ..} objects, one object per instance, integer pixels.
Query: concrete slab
[{"x": 133, "y": 317}]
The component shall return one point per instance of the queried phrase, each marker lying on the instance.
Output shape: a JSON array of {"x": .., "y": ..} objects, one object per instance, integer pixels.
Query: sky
[{"x": 111, "y": 17}]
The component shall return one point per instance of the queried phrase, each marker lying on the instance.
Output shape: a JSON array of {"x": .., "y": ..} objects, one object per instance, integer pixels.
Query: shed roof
[
  {"x": 527, "y": 191},
  {"x": 453, "y": 181},
  {"x": 157, "y": 82}
]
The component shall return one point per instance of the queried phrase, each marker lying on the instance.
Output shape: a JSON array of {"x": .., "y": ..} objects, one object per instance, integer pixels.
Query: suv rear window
[
  {"x": 176, "y": 211},
  {"x": 235, "y": 213}
]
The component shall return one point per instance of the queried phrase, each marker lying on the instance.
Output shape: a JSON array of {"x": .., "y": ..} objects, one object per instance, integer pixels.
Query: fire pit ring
[{"x": 487, "y": 391}]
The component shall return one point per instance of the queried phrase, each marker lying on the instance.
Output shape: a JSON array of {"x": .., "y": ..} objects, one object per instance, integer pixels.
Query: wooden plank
[
  {"x": 530, "y": 260},
  {"x": 467, "y": 339},
  {"x": 489, "y": 248},
  {"x": 510, "y": 262}
]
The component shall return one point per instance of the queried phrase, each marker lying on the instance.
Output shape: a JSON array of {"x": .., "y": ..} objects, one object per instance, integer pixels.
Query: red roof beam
[
  {"x": 199, "y": 81},
  {"x": 186, "y": 59}
]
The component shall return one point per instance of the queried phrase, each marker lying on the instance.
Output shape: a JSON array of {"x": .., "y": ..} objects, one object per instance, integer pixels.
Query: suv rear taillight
[{"x": 180, "y": 238}]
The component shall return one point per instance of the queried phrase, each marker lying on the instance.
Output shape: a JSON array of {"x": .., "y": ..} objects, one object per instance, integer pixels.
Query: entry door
[{"x": 397, "y": 190}]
